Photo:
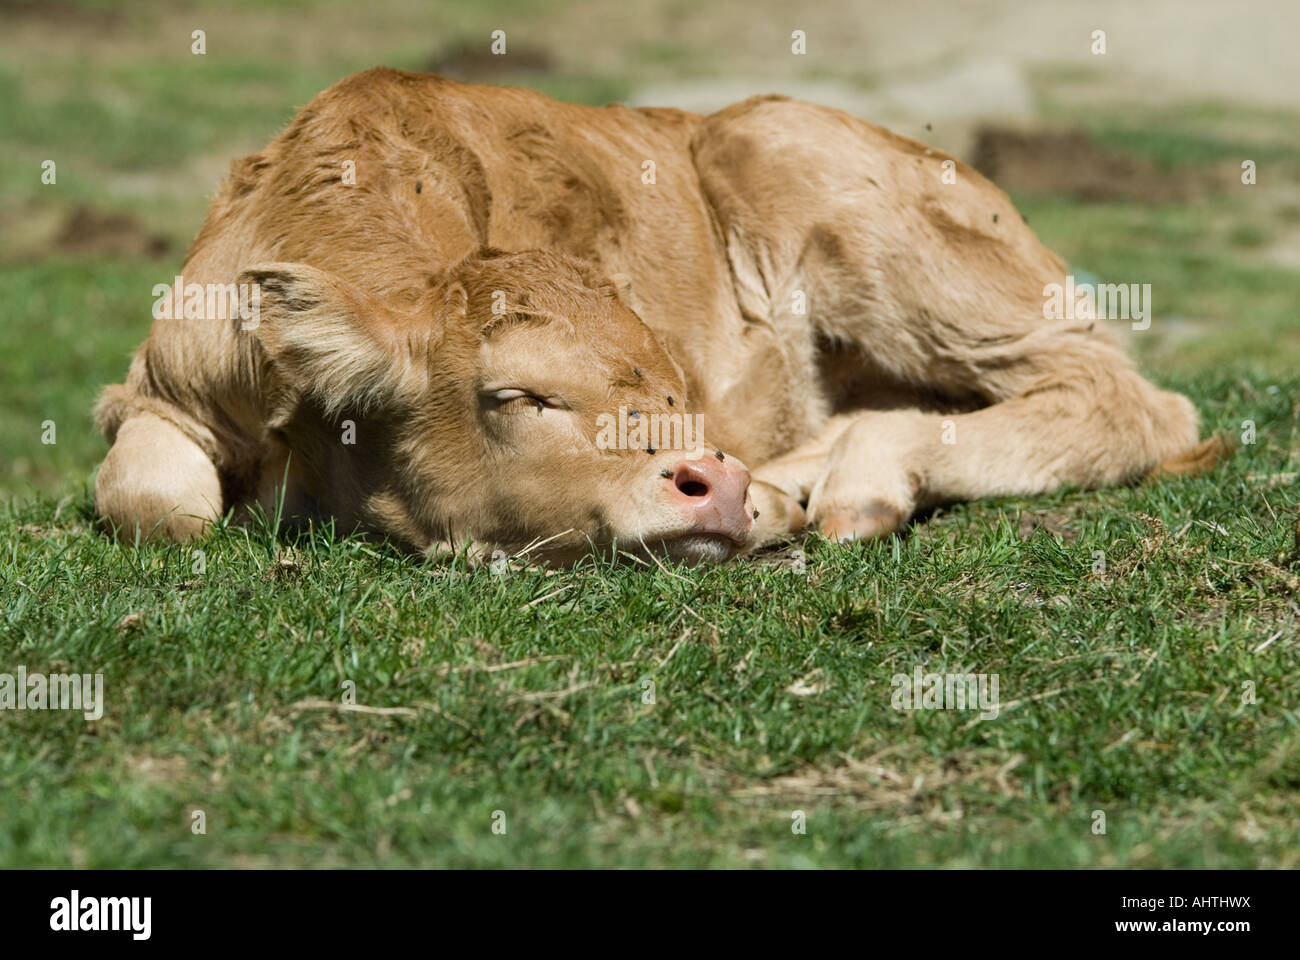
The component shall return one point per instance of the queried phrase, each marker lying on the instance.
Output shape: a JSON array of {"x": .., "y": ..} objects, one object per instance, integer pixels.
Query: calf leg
[
  {"x": 781, "y": 487},
  {"x": 1087, "y": 427},
  {"x": 156, "y": 482}
]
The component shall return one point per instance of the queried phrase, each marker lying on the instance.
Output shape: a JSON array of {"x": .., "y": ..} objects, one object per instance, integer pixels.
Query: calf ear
[{"x": 328, "y": 340}]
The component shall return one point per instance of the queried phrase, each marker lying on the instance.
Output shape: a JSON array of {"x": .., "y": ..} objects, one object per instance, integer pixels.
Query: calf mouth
[
  {"x": 695, "y": 548},
  {"x": 690, "y": 547}
]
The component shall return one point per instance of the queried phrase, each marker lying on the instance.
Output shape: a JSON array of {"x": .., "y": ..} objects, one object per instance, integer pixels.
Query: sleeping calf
[{"x": 479, "y": 312}]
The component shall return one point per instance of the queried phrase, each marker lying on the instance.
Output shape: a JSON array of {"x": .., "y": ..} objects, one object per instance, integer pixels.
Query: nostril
[{"x": 690, "y": 484}]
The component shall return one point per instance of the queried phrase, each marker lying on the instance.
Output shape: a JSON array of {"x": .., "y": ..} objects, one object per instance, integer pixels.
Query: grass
[
  {"x": 524, "y": 693},
  {"x": 225, "y": 665}
]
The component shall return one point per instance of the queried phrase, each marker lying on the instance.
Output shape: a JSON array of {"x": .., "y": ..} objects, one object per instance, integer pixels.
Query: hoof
[
  {"x": 871, "y": 522},
  {"x": 777, "y": 514}
]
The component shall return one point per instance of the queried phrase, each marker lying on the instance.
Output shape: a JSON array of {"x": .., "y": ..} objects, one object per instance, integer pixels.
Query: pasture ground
[{"x": 1160, "y": 692}]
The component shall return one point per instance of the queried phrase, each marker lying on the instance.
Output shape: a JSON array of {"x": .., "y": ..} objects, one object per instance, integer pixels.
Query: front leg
[
  {"x": 157, "y": 483},
  {"x": 859, "y": 458},
  {"x": 781, "y": 487}
]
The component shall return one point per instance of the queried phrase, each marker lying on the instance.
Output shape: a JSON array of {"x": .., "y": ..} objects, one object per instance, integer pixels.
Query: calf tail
[{"x": 1202, "y": 458}]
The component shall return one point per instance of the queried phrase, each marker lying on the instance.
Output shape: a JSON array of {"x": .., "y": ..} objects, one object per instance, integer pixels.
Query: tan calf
[{"x": 475, "y": 301}]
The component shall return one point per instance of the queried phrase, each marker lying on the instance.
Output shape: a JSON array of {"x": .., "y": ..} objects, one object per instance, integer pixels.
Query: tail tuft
[{"x": 1203, "y": 457}]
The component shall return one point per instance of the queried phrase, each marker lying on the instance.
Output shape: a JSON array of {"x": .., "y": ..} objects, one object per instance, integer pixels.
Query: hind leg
[
  {"x": 1107, "y": 428},
  {"x": 157, "y": 483},
  {"x": 926, "y": 270}
]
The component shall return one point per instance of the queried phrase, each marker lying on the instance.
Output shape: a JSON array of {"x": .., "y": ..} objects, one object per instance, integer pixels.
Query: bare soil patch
[
  {"x": 1068, "y": 162},
  {"x": 91, "y": 232}
]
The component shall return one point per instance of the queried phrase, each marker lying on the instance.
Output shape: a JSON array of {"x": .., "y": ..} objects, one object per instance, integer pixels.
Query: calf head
[{"x": 515, "y": 403}]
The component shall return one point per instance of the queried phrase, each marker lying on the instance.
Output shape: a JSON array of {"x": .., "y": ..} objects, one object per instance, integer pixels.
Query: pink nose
[{"x": 714, "y": 493}]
